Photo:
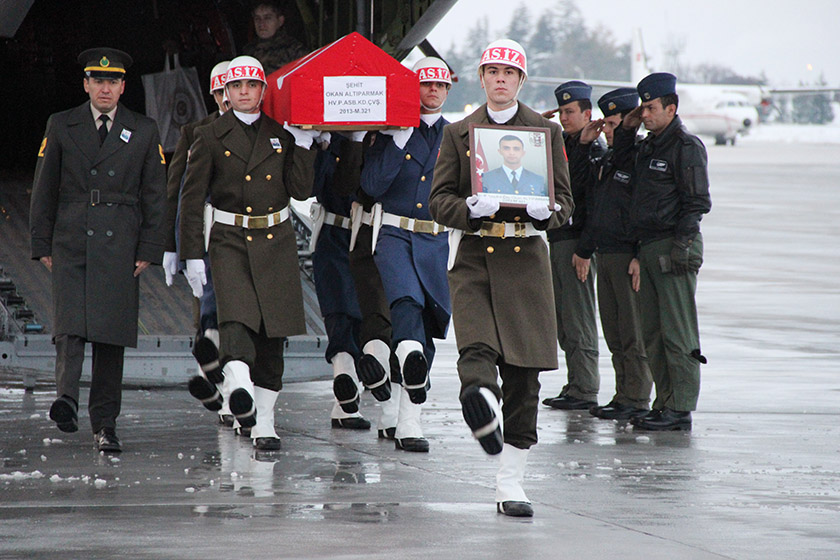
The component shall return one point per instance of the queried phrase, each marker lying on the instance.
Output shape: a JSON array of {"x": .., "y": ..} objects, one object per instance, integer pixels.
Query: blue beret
[
  {"x": 618, "y": 101},
  {"x": 656, "y": 85},
  {"x": 572, "y": 91}
]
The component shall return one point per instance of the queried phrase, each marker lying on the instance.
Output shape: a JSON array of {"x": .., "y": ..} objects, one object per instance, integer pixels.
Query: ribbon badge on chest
[
  {"x": 275, "y": 143},
  {"x": 125, "y": 135}
]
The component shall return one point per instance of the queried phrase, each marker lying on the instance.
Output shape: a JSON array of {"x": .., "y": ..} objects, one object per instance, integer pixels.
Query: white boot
[
  {"x": 225, "y": 388},
  {"x": 510, "y": 497},
  {"x": 414, "y": 368},
  {"x": 388, "y": 419},
  {"x": 242, "y": 392},
  {"x": 375, "y": 368},
  {"x": 263, "y": 434},
  {"x": 345, "y": 386},
  {"x": 409, "y": 434}
]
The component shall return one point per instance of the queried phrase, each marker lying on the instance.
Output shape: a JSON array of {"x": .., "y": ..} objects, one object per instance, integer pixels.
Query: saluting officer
[
  {"x": 206, "y": 347},
  {"x": 410, "y": 254},
  {"x": 670, "y": 196},
  {"x": 500, "y": 280},
  {"x": 572, "y": 264},
  {"x": 96, "y": 215},
  {"x": 249, "y": 166},
  {"x": 608, "y": 228}
]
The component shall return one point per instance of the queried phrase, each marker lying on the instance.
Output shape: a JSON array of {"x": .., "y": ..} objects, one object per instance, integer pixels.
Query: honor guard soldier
[
  {"x": 500, "y": 279},
  {"x": 670, "y": 196},
  {"x": 410, "y": 254},
  {"x": 249, "y": 166},
  {"x": 206, "y": 347},
  {"x": 96, "y": 221},
  {"x": 336, "y": 180},
  {"x": 572, "y": 265},
  {"x": 608, "y": 228}
]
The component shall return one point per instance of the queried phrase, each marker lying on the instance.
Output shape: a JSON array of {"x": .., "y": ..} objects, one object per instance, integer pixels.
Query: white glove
[
  {"x": 358, "y": 135},
  {"x": 482, "y": 206},
  {"x": 540, "y": 211},
  {"x": 196, "y": 277},
  {"x": 170, "y": 266},
  {"x": 324, "y": 139},
  {"x": 399, "y": 135},
  {"x": 303, "y": 138}
]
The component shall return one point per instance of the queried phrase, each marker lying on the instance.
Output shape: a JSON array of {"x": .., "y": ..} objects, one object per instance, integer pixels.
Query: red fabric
[
  {"x": 480, "y": 164},
  {"x": 296, "y": 91}
]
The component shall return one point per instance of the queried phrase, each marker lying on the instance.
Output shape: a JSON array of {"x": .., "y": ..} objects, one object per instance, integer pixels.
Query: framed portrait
[{"x": 512, "y": 164}]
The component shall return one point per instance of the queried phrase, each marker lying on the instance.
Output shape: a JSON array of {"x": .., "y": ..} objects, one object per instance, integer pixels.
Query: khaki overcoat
[
  {"x": 501, "y": 289},
  {"x": 255, "y": 272},
  {"x": 96, "y": 210}
]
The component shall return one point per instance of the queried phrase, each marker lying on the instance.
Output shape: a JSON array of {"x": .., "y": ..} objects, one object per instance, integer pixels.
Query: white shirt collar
[
  {"x": 247, "y": 118},
  {"x": 96, "y": 113},
  {"x": 430, "y": 119},
  {"x": 503, "y": 116},
  {"x": 509, "y": 172}
]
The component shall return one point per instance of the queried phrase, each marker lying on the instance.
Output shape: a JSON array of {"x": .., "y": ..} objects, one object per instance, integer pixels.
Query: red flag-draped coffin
[{"x": 348, "y": 84}]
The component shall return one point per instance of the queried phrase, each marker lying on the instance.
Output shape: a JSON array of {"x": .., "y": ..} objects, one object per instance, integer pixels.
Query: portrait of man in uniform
[{"x": 517, "y": 175}]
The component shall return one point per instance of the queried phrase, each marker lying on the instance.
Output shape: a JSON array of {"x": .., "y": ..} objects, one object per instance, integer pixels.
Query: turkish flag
[{"x": 480, "y": 162}]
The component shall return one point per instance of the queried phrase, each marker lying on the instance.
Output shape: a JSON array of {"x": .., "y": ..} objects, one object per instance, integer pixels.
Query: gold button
[
  {"x": 492, "y": 216},
  {"x": 515, "y": 192},
  {"x": 268, "y": 177},
  {"x": 271, "y": 208},
  {"x": 516, "y": 218},
  {"x": 468, "y": 153},
  {"x": 407, "y": 156},
  {"x": 517, "y": 249},
  {"x": 227, "y": 153},
  {"x": 490, "y": 249},
  {"x": 279, "y": 150},
  {"x": 337, "y": 159},
  {"x": 423, "y": 178},
  {"x": 247, "y": 177},
  {"x": 271, "y": 236},
  {"x": 249, "y": 238},
  {"x": 419, "y": 205},
  {"x": 248, "y": 209}
]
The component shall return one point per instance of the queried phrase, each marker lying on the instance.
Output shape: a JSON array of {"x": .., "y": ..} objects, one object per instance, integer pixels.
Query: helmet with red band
[
  {"x": 505, "y": 52},
  {"x": 218, "y": 76},
  {"x": 245, "y": 68},
  {"x": 432, "y": 69}
]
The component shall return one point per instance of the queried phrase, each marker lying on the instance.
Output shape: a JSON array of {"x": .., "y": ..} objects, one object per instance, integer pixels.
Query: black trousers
[
  {"x": 263, "y": 355},
  {"x": 106, "y": 380},
  {"x": 520, "y": 390}
]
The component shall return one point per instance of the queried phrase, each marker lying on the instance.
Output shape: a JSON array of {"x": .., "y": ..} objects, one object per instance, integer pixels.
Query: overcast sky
[{"x": 781, "y": 38}]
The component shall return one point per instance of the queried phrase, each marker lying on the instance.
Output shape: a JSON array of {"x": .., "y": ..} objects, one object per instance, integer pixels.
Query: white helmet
[
  {"x": 218, "y": 76},
  {"x": 505, "y": 52},
  {"x": 245, "y": 68},
  {"x": 432, "y": 69}
]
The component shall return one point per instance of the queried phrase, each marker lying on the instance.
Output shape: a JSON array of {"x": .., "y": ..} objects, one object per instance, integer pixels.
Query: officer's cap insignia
[
  {"x": 104, "y": 62},
  {"x": 567, "y": 96},
  {"x": 647, "y": 95},
  {"x": 611, "y": 106}
]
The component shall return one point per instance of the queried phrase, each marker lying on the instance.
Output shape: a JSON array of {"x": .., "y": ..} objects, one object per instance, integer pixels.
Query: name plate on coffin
[{"x": 354, "y": 98}]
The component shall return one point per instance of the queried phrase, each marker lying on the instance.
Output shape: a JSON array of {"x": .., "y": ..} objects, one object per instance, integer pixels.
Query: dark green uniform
[
  {"x": 670, "y": 196},
  {"x": 275, "y": 52}
]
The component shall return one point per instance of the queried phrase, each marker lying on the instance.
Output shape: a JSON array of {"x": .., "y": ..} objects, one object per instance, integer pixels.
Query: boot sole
[
  {"x": 242, "y": 407},
  {"x": 346, "y": 392},
  {"x": 65, "y": 418},
  {"x": 478, "y": 414},
  {"x": 207, "y": 356},
  {"x": 205, "y": 392},
  {"x": 415, "y": 376},
  {"x": 373, "y": 376}
]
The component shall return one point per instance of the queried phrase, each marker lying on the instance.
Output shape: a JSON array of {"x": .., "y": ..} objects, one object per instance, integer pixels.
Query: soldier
[
  {"x": 670, "y": 196},
  {"x": 336, "y": 180},
  {"x": 500, "y": 280},
  {"x": 273, "y": 47},
  {"x": 608, "y": 229},
  {"x": 249, "y": 166},
  {"x": 410, "y": 255},
  {"x": 206, "y": 347},
  {"x": 572, "y": 265},
  {"x": 96, "y": 215}
]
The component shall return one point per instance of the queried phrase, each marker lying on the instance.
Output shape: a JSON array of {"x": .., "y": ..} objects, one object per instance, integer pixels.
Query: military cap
[
  {"x": 103, "y": 62},
  {"x": 656, "y": 85},
  {"x": 572, "y": 91},
  {"x": 618, "y": 101}
]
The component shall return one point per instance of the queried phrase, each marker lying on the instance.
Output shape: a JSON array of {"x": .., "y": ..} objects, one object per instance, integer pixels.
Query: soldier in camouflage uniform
[{"x": 273, "y": 47}]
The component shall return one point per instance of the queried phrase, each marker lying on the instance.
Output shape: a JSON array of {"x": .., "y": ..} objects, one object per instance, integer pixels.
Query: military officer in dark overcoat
[
  {"x": 96, "y": 221},
  {"x": 500, "y": 280},
  {"x": 670, "y": 197},
  {"x": 249, "y": 166},
  {"x": 410, "y": 253}
]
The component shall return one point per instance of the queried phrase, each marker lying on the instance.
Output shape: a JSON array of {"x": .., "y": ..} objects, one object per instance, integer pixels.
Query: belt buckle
[
  {"x": 520, "y": 230},
  {"x": 258, "y": 222},
  {"x": 424, "y": 226},
  {"x": 493, "y": 229},
  {"x": 94, "y": 197},
  {"x": 405, "y": 223}
]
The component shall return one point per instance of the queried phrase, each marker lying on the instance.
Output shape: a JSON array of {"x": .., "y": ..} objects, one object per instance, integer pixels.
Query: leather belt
[
  {"x": 336, "y": 220},
  {"x": 96, "y": 196},
  {"x": 412, "y": 224},
  {"x": 250, "y": 222},
  {"x": 505, "y": 229}
]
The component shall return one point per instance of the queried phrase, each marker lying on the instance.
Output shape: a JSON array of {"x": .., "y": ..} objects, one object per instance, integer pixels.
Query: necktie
[
  {"x": 513, "y": 180},
  {"x": 103, "y": 128}
]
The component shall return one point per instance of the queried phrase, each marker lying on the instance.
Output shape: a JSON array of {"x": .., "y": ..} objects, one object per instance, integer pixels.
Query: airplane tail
[{"x": 638, "y": 61}]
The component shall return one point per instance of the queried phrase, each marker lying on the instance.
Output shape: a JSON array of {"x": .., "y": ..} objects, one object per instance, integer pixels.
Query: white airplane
[{"x": 717, "y": 110}]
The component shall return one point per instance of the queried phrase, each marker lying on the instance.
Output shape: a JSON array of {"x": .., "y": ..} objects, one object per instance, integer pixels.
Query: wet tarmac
[{"x": 757, "y": 478}]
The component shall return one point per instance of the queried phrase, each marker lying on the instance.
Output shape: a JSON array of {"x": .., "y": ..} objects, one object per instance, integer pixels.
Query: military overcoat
[
  {"x": 255, "y": 272},
  {"x": 501, "y": 289},
  {"x": 96, "y": 210}
]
